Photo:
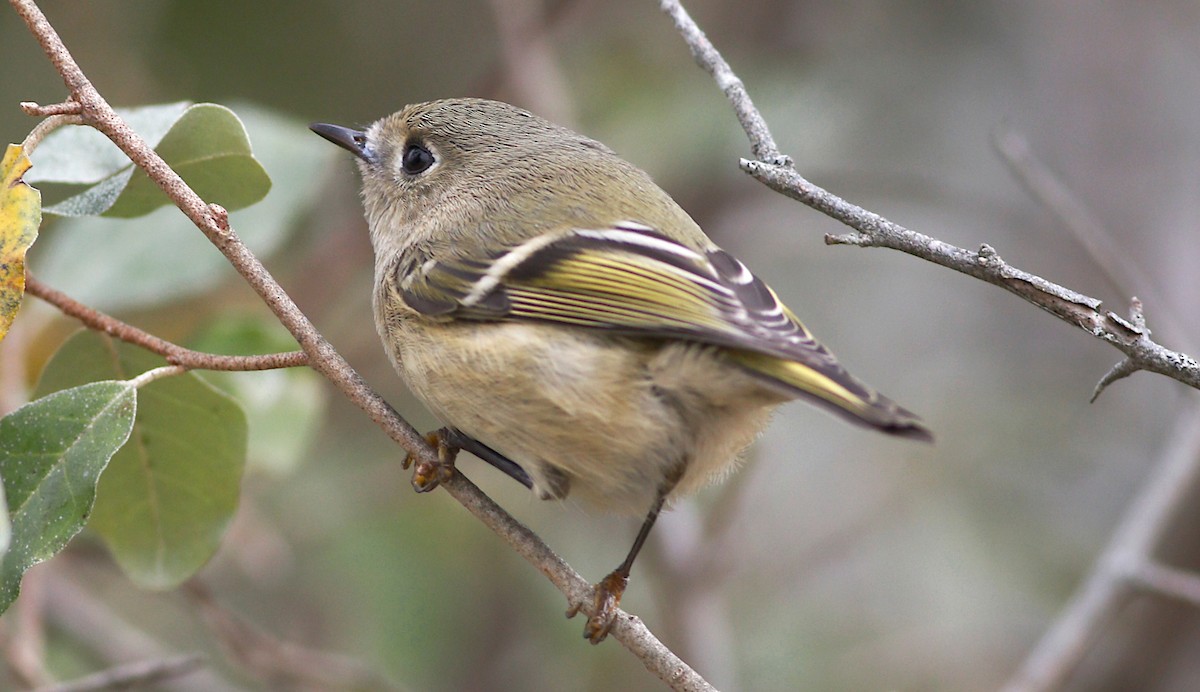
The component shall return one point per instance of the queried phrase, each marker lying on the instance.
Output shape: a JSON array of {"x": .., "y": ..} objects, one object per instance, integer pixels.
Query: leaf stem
[{"x": 45, "y": 127}]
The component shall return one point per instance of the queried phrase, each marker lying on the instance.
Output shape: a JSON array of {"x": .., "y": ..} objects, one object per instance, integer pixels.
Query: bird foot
[
  {"x": 427, "y": 475},
  {"x": 606, "y": 602}
]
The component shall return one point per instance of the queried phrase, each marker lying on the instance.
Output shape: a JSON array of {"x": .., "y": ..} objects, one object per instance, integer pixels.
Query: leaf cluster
[{"x": 151, "y": 465}]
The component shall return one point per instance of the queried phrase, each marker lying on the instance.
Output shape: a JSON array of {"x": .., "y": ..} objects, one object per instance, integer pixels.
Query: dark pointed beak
[{"x": 353, "y": 141}]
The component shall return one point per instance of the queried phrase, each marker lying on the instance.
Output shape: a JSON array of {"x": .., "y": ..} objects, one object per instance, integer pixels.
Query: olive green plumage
[{"x": 546, "y": 299}]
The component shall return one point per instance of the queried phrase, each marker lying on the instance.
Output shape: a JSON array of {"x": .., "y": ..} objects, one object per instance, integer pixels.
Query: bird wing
[{"x": 632, "y": 280}]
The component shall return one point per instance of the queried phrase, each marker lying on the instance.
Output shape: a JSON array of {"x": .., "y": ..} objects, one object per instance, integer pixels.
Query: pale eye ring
[{"x": 416, "y": 159}]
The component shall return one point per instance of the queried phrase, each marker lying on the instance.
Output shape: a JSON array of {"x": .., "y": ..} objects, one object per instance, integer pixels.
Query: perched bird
[{"x": 569, "y": 322}]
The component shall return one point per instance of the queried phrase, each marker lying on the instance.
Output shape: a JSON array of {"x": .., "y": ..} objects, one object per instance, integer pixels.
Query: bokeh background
[{"x": 837, "y": 559}]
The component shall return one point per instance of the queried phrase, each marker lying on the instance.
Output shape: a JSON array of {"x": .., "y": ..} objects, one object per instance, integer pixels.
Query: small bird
[{"x": 569, "y": 323}]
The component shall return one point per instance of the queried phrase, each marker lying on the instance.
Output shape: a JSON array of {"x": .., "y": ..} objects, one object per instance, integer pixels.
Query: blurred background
[{"x": 837, "y": 559}]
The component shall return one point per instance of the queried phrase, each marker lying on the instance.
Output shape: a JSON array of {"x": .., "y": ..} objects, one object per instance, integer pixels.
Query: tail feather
[{"x": 835, "y": 389}]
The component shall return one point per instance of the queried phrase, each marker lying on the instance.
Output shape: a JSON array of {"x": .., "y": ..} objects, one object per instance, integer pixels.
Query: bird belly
[{"x": 604, "y": 419}]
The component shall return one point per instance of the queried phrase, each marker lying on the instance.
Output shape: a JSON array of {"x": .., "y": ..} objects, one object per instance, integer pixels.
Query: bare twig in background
[
  {"x": 1169, "y": 581},
  {"x": 278, "y": 663},
  {"x": 530, "y": 67},
  {"x": 25, "y": 632},
  {"x": 1120, "y": 269},
  {"x": 131, "y": 675},
  {"x": 1128, "y": 561},
  {"x": 211, "y": 220},
  {"x": 775, "y": 170},
  {"x": 92, "y": 623}
]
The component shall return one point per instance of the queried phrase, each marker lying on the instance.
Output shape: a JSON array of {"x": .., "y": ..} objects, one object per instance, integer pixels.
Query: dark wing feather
[
  {"x": 632, "y": 280},
  {"x": 626, "y": 279}
]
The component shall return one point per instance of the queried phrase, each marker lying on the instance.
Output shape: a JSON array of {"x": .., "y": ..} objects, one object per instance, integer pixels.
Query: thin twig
[
  {"x": 132, "y": 675},
  {"x": 776, "y": 171},
  {"x": 1127, "y": 560},
  {"x": 279, "y": 663},
  {"x": 174, "y": 353},
  {"x": 68, "y": 107},
  {"x": 1165, "y": 580},
  {"x": 706, "y": 55},
  {"x": 1126, "y": 366},
  {"x": 98, "y": 629},
  {"x": 96, "y": 112},
  {"x": 50, "y": 124},
  {"x": 1118, "y": 266},
  {"x": 155, "y": 375}
]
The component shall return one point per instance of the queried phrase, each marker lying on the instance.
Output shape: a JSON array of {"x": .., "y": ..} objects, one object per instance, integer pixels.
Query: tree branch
[
  {"x": 211, "y": 221},
  {"x": 872, "y": 230},
  {"x": 706, "y": 55},
  {"x": 1128, "y": 559},
  {"x": 97, "y": 113},
  {"x": 776, "y": 171},
  {"x": 278, "y": 663},
  {"x": 131, "y": 675},
  {"x": 174, "y": 353}
]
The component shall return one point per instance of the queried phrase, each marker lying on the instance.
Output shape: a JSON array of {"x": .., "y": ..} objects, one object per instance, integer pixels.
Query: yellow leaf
[{"x": 20, "y": 216}]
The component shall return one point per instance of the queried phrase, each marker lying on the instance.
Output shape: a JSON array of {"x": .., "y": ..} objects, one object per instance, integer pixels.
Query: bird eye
[{"x": 417, "y": 159}]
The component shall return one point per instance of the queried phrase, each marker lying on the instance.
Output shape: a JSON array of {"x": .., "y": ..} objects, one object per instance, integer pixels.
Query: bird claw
[
  {"x": 429, "y": 475},
  {"x": 605, "y": 603}
]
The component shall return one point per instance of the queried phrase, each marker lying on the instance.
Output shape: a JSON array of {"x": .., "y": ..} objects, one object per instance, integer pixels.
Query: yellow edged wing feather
[{"x": 632, "y": 280}]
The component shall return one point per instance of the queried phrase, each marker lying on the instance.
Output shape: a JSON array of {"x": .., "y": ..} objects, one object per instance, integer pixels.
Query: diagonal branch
[
  {"x": 775, "y": 170},
  {"x": 872, "y": 230},
  {"x": 706, "y": 55},
  {"x": 1125, "y": 562},
  {"x": 1128, "y": 561},
  {"x": 278, "y": 663},
  {"x": 212, "y": 221},
  {"x": 132, "y": 675}
]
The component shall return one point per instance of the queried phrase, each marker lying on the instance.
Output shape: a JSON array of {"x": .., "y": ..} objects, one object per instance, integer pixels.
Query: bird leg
[
  {"x": 607, "y": 593},
  {"x": 448, "y": 442}
]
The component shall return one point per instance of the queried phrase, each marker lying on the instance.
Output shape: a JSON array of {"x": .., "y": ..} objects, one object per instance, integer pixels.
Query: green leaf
[
  {"x": 166, "y": 499},
  {"x": 51, "y": 453},
  {"x": 81, "y": 155},
  {"x": 284, "y": 407},
  {"x": 210, "y": 150},
  {"x": 118, "y": 265},
  {"x": 205, "y": 144},
  {"x": 5, "y": 524},
  {"x": 94, "y": 200}
]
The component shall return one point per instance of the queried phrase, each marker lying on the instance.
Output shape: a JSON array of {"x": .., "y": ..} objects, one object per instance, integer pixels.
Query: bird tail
[{"x": 830, "y": 386}]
